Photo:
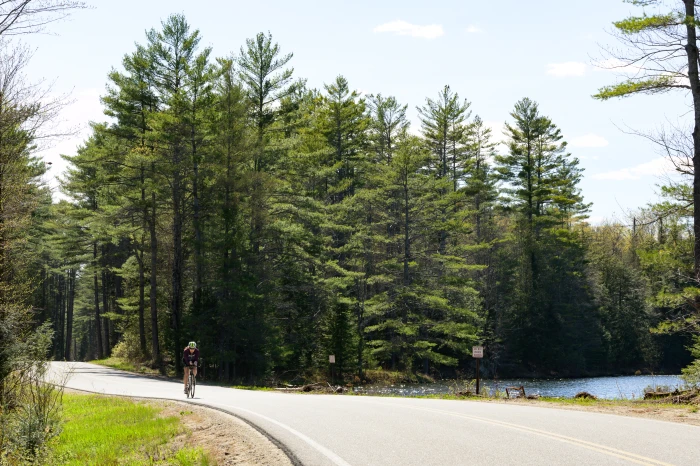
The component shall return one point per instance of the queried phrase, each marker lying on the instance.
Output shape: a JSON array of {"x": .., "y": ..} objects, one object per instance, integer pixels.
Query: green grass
[
  {"x": 128, "y": 366},
  {"x": 249, "y": 387},
  {"x": 380, "y": 376},
  {"x": 113, "y": 431},
  {"x": 117, "y": 363}
]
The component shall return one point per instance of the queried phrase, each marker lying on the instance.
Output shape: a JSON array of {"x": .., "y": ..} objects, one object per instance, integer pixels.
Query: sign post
[
  {"x": 331, "y": 360},
  {"x": 477, "y": 353}
]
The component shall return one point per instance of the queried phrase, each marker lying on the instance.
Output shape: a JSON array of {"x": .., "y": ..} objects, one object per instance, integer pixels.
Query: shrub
[
  {"x": 129, "y": 348},
  {"x": 691, "y": 374}
]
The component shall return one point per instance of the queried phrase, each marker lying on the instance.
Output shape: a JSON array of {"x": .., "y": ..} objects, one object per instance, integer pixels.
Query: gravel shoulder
[
  {"x": 228, "y": 440},
  {"x": 685, "y": 414}
]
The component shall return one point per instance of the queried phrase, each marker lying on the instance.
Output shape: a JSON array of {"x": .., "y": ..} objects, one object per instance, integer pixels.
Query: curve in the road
[
  {"x": 625, "y": 455},
  {"x": 290, "y": 454},
  {"x": 344, "y": 430}
]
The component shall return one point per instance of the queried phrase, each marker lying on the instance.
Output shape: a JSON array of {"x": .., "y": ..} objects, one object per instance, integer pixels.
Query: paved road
[{"x": 354, "y": 430}]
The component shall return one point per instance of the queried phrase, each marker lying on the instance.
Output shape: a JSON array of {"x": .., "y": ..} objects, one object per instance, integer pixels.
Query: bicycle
[{"x": 191, "y": 383}]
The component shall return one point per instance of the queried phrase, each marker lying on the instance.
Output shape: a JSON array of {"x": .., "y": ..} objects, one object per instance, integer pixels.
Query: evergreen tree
[
  {"x": 389, "y": 121},
  {"x": 550, "y": 302}
]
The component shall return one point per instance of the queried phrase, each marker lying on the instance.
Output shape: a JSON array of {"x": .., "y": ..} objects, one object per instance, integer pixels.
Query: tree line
[
  {"x": 225, "y": 201},
  {"x": 29, "y": 408}
]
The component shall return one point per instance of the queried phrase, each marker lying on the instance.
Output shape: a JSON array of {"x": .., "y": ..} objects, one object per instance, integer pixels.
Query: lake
[{"x": 623, "y": 387}]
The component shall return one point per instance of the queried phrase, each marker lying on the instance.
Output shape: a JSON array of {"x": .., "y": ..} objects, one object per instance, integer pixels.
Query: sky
[{"x": 491, "y": 53}]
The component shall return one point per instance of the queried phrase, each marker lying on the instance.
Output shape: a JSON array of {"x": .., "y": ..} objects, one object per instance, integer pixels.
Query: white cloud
[
  {"x": 473, "y": 29},
  {"x": 403, "y": 28},
  {"x": 656, "y": 167},
  {"x": 415, "y": 129},
  {"x": 589, "y": 140},
  {"x": 596, "y": 220},
  {"x": 570, "y": 68},
  {"x": 497, "y": 130}
]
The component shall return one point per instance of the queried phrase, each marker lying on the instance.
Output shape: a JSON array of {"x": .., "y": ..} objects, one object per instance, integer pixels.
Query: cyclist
[{"x": 190, "y": 358}]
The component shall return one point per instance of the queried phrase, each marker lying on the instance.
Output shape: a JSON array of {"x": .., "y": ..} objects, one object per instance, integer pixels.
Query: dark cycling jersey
[{"x": 190, "y": 358}]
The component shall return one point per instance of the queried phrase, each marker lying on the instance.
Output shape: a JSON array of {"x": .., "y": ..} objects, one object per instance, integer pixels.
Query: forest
[{"x": 224, "y": 201}]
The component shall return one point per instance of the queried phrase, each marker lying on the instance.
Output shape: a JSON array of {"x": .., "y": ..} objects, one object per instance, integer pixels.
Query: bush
[
  {"x": 128, "y": 348},
  {"x": 30, "y": 409},
  {"x": 691, "y": 374}
]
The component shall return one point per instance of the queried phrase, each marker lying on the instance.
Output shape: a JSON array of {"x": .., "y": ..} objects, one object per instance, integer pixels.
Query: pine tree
[
  {"x": 131, "y": 100},
  {"x": 389, "y": 121},
  {"x": 550, "y": 302},
  {"x": 174, "y": 54}
]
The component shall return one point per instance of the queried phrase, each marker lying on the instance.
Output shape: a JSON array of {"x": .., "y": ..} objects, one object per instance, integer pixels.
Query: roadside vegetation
[
  {"x": 29, "y": 408},
  {"x": 106, "y": 430}
]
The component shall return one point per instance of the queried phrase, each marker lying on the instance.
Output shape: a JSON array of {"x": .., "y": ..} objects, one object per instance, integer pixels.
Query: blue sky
[{"x": 491, "y": 53}]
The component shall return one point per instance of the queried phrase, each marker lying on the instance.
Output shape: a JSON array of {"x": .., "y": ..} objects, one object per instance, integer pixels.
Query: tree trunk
[
  {"x": 98, "y": 323},
  {"x": 105, "y": 304},
  {"x": 142, "y": 300},
  {"x": 153, "y": 292},
  {"x": 406, "y": 237},
  {"x": 142, "y": 265},
  {"x": 69, "y": 316},
  {"x": 196, "y": 209},
  {"x": 197, "y": 238},
  {"x": 692, "y": 52},
  {"x": 178, "y": 260},
  {"x": 61, "y": 314}
]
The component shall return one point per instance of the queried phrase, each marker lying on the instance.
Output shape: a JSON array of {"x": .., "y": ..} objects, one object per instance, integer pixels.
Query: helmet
[{"x": 192, "y": 344}]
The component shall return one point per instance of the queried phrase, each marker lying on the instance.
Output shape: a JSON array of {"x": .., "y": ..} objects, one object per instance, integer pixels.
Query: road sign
[{"x": 331, "y": 359}]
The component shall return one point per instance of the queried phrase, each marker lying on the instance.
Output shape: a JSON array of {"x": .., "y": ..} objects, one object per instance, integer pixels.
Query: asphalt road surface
[{"x": 359, "y": 430}]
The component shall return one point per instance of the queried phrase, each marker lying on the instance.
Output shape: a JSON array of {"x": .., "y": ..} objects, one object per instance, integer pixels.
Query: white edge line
[
  {"x": 337, "y": 460},
  {"x": 326, "y": 452}
]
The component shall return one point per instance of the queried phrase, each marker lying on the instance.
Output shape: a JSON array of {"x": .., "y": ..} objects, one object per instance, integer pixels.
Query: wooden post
[
  {"x": 331, "y": 361},
  {"x": 477, "y": 353},
  {"x": 477, "y": 376}
]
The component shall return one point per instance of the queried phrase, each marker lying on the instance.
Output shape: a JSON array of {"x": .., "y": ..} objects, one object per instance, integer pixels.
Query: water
[{"x": 624, "y": 387}]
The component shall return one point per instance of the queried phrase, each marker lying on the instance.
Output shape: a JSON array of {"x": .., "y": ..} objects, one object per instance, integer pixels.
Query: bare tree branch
[{"x": 19, "y": 17}]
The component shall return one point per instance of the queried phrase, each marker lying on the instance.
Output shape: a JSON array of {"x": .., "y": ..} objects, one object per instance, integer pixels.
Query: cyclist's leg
[
  {"x": 187, "y": 373},
  {"x": 195, "y": 370}
]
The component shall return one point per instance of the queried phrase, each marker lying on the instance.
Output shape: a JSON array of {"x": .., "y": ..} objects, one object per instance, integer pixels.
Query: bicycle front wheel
[{"x": 193, "y": 383}]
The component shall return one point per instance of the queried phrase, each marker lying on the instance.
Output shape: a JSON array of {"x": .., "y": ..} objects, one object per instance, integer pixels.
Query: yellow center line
[{"x": 628, "y": 456}]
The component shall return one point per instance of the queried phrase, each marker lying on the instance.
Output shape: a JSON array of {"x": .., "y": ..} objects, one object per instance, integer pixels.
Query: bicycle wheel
[{"x": 193, "y": 383}]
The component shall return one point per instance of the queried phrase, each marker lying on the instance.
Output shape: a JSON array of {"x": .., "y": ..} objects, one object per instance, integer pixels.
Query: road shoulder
[
  {"x": 684, "y": 414},
  {"x": 226, "y": 439}
]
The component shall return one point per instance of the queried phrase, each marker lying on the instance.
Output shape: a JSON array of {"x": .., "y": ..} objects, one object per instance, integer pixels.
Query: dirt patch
[
  {"x": 682, "y": 414},
  {"x": 226, "y": 438}
]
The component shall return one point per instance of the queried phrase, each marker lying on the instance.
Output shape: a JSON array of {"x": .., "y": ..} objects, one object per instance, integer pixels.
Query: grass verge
[
  {"x": 108, "y": 431},
  {"x": 124, "y": 365}
]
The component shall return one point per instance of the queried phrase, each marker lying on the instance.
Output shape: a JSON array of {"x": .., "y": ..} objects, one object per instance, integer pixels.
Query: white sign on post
[
  {"x": 477, "y": 351},
  {"x": 331, "y": 359}
]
